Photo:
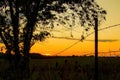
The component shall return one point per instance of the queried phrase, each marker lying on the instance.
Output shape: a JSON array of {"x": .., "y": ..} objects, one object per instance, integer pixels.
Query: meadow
[{"x": 67, "y": 68}]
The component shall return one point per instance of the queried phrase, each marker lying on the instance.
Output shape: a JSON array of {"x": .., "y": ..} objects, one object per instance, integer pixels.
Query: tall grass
[{"x": 66, "y": 68}]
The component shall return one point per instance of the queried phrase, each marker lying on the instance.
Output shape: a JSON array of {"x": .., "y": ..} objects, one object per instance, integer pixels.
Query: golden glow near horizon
[{"x": 55, "y": 46}]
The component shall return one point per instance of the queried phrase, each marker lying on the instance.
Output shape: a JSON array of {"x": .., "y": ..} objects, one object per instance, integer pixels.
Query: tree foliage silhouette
[{"x": 19, "y": 20}]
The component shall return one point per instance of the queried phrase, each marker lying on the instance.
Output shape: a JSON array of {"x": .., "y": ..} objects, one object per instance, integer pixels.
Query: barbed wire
[{"x": 81, "y": 38}]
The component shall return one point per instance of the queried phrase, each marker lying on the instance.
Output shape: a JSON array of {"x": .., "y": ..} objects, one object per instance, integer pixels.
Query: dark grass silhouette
[{"x": 64, "y": 68}]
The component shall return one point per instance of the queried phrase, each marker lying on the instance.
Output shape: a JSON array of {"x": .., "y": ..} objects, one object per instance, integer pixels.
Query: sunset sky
[{"x": 109, "y": 39}]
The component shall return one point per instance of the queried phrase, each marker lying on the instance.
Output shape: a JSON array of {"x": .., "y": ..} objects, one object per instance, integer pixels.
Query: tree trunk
[
  {"x": 28, "y": 34},
  {"x": 15, "y": 24},
  {"x": 30, "y": 27}
]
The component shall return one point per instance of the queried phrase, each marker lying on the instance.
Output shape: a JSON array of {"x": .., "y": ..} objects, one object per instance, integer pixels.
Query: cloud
[
  {"x": 106, "y": 40},
  {"x": 109, "y": 40}
]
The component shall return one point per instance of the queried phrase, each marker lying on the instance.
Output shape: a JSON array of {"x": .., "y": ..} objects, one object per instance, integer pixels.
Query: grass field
[{"x": 67, "y": 68}]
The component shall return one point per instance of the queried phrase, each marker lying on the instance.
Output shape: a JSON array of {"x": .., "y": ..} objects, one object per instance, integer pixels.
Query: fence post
[{"x": 96, "y": 48}]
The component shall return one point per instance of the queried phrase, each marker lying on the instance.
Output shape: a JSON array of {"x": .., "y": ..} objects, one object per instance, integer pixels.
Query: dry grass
[{"x": 67, "y": 68}]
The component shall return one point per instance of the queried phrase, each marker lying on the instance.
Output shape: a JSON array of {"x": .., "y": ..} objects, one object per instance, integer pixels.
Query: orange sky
[{"x": 54, "y": 46}]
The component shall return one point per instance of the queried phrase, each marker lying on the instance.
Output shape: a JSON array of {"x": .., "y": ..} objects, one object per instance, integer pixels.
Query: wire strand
[{"x": 81, "y": 39}]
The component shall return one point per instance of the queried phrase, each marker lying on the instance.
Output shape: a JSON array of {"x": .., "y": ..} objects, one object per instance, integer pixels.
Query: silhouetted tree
[{"x": 19, "y": 20}]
